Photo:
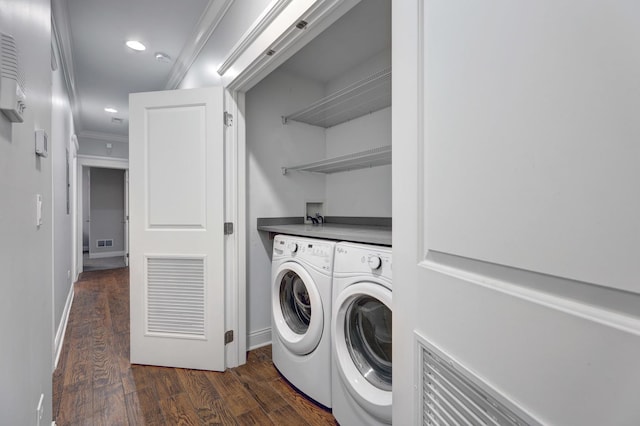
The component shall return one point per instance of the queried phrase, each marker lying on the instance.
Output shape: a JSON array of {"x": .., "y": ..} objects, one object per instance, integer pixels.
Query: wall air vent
[
  {"x": 104, "y": 243},
  {"x": 12, "y": 84},
  {"x": 452, "y": 395}
]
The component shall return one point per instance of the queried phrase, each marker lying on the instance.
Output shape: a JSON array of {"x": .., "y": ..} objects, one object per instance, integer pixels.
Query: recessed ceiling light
[
  {"x": 111, "y": 110},
  {"x": 136, "y": 45},
  {"x": 163, "y": 57}
]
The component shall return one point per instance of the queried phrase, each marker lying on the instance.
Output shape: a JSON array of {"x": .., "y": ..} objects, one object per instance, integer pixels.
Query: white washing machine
[
  {"x": 361, "y": 335},
  {"x": 301, "y": 293}
]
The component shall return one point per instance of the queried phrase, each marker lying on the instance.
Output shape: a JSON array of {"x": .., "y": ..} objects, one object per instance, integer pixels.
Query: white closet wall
[
  {"x": 375, "y": 63},
  {"x": 270, "y": 145},
  {"x": 364, "y": 192}
]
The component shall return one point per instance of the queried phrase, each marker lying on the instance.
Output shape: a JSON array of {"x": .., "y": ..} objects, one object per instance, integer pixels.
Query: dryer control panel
[{"x": 364, "y": 259}]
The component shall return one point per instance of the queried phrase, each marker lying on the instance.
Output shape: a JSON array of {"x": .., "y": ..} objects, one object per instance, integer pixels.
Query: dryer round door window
[
  {"x": 361, "y": 327},
  {"x": 297, "y": 309},
  {"x": 368, "y": 338}
]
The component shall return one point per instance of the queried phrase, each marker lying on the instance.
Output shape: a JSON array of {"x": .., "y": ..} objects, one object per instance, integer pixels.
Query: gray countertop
[{"x": 334, "y": 231}]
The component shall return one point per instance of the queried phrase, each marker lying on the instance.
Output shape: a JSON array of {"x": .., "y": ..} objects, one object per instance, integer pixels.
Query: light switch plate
[
  {"x": 42, "y": 148},
  {"x": 38, "y": 210}
]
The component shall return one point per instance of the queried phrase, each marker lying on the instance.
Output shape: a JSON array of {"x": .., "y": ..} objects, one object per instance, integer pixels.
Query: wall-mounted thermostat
[{"x": 42, "y": 145}]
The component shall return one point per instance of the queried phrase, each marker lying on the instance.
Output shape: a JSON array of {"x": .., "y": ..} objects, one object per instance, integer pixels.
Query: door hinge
[
  {"x": 228, "y": 337},
  {"x": 228, "y": 119},
  {"x": 228, "y": 228}
]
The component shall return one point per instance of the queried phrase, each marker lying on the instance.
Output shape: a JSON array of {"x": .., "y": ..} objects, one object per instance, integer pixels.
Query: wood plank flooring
[{"x": 94, "y": 383}]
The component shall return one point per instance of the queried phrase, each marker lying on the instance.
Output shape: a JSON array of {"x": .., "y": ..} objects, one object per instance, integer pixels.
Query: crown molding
[
  {"x": 107, "y": 137},
  {"x": 62, "y": 36},
  {"x": 319, "y": 16},
  {"x": 209, "y": 21},
  {"x": 263, "y": 21}
]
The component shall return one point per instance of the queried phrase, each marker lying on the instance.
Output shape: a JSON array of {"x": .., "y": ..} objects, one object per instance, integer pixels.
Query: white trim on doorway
[
  {"x": 249, "y": 66},
  {"x": 90, "y": 161}
]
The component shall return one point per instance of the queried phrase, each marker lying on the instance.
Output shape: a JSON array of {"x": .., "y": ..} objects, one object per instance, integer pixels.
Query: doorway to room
[
  {"x": 102, "y": 213},
  {"x": 104, "y": 218}
]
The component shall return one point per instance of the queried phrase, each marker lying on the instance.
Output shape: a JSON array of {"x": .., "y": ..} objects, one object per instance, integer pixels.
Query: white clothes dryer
[
  {"x": 301, "y": 293},
  {"x": 361, "y": 335}
]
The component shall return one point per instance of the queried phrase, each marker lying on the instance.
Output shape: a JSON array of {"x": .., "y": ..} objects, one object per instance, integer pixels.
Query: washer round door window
[
  {"x": 368, "y": 339},
  {"x": 295, "y": 302},
  {"x": 297, "y": 309}
]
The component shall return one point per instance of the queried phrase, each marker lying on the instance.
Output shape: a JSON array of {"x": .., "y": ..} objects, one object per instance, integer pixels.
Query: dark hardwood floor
[{"x": 94, "y": 383}]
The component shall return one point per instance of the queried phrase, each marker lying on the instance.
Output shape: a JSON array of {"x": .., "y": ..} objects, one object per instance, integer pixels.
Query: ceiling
[
  {"x": 105, "y": 70},
  {"x": 101, "y": 71}
]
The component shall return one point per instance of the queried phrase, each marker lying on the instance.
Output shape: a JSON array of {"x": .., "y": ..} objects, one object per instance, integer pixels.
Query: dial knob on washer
[
  {"x": 293, "y": 247},
  {"x": 374, "y": 262}
]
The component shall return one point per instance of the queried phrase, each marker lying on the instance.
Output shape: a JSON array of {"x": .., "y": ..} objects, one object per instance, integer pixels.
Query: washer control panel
[{"x": 316, "y": 252}]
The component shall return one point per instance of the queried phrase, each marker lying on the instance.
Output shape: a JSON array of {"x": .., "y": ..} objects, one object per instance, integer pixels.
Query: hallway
[{"x": 95, "y": 384}]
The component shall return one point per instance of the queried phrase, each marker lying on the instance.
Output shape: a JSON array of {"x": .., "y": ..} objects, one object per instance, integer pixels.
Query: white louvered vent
[
  {"x": 452, "y": 395},
  {"x": 175, "y": 296}
]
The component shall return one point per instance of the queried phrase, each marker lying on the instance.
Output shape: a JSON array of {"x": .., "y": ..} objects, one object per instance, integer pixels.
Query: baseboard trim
[
  {"x": 106, "y": 254},
  {"x": 62, "y": 327},
  {"x": 259, "y": 338}
]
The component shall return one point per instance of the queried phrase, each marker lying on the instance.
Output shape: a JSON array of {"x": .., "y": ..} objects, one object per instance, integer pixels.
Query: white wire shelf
[
  {"x": 363, "y": 97},
  {"x": 359, "y": 160}
]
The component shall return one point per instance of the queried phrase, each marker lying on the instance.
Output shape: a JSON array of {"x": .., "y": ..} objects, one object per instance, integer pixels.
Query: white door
[
  {"x": 516, "y": 206},
  {"x": 176, "y": 208}
]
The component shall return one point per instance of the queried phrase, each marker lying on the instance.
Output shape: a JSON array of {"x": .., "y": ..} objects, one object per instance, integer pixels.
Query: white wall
[
  {"x": 364, "y": 192},
  {"x": 98, "y": 147},
  {"x": 271, "y": 145},
  {"x": 528, "y": 164},
  {"x": 106, "y": 210},
  {"x": 26, "y": 326},
  {"x": 375, "y": 63},
  {"x": 62, "y": 130}
]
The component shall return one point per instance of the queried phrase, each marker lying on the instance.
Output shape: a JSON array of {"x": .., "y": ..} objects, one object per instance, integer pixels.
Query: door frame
[
  {"x": 250, "y": 67},
  {"x": 235, "y": 244},
  {"x": 90, "y": 161}
]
